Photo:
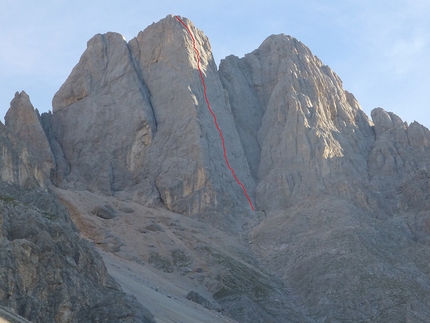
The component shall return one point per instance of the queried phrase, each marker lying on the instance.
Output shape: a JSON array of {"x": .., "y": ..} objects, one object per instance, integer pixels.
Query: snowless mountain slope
[{"x": 340, "y": 232}]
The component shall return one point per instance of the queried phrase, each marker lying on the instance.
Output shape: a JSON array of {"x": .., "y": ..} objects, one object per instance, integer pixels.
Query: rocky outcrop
[
  {"x": 342, "y": 201},
  {"x": 191, "y": 173},
  {"x": 24, "y": 122},
  {"x": 201, "y": 300},
  {"x": 328, "y": 180},
  {"x": 11, "y": 317},
  {"x": 17, "y": 163},
  {"x": 399, "y": 165},
  {"x": 102, "y": 122},
  {"x": 305, "y": 134},
  {"x": 47, "y": 272},
  {"x": 399, "y": 150},
  {"x": 147, "y": 129}
]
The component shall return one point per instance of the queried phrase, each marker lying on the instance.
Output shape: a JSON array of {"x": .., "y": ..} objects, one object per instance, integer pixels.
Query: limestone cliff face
[
  {"x": 399, "y": 149},
  {"x": 26, "y": 158},
  {"x": 399, "y": 164},
  {"x": 146, "y": 126},
  {"x": 345, "y": 198},
  {"x": 303, "y": 132},
  {"x": 344, "y": 195},
  {"x": 47, "y": 272},
  {"x": 336, "y": 187},
  {"x": 187, "y": 155},
  {"x": 102, "y": 121}
]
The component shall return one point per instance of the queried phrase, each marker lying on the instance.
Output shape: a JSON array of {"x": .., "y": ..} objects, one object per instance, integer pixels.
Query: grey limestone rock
[
  {"x": 24, "y": 122},
  {"x": 26, "y": 159},
  {"x": 11, "y": 317},
  {"x": 328, "y": 180},
  {"x": 201, "y": 300},
  {"x": 342, "y": 201},
  {"x": 132, "y": 117},
  {"x": 49, "y": 274},
  {"x": 154, "y": 227},
  {"x": 102, "y": 120},
  {"x": 18, "y": 165},
  {"x": 105, "y": 212},
  {"x": 188, "y": 161},
  {"x": 305, "y": 134}
]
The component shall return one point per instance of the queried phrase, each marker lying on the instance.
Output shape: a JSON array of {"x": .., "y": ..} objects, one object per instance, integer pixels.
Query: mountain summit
[
  {"x": 147, "y": 133},
  {"x": 340, "y": 230}
]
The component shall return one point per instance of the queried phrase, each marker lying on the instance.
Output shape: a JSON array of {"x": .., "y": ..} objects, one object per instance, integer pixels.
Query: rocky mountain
[
  {"x": 131, "y": 160},
  {"x": 48, "y": 273}
]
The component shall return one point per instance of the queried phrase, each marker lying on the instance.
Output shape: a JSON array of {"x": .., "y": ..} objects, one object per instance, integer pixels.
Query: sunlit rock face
[
  {"x": 341, "y": 229},
  {"x": 304, "y": 133}
]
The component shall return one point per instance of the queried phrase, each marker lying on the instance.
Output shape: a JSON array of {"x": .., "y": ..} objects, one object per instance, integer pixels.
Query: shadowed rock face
[
  {"x": 342, "y": 201},
  {"x": 102, "y": 122},
  {"x": 21, "y": 164},
  {"x": 47, "y": 272}
]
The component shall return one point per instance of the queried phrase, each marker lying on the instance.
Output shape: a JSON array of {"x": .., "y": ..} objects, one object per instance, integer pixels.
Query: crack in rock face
[{"x": 130, "y": 159}]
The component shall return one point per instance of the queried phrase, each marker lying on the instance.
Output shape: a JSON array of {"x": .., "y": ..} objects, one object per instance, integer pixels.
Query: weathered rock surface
[
  {"x": 47, "y": 272},
  {"x": 399, "y": 165},
  {"x": 191, "y": 173},
  {"x": 199, "y": 299},
  {"x": 11, "y": 317},
  {"x": 161, "y": 267},
  {"x": 328, "y": 180},
  {"x": 102, "y": 121},
  {"x": 24, "y": 122},
  {"x": 147, "y": 129},
  {"x": 306, "y": 134},
  {"x": 105, "y": 212},
  {"x": 341, "y": 229},
  {"x": 17, "y": 164}
]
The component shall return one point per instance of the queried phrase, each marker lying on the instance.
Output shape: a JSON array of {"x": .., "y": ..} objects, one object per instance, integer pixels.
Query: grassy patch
[
  {"x": 240, "y": 279},
  {"x": 181, "y": 262},
  {"x": 160, "y": 262},
  {"x": 7, "y": 199}
]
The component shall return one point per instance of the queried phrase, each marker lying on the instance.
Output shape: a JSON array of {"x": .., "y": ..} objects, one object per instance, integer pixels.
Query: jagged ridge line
[{"x": 213, "y": 114}]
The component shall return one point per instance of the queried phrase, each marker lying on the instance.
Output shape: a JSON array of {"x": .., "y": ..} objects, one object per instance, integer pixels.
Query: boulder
[{"x": 105, "y": 212}]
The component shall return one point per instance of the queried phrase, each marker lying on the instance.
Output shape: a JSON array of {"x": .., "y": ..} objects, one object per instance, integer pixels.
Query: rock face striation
[
  {"x": 342, "y": 202},
  {"x": 304, "y": 132},
  {"x": 48, "y": 273},
  {"x": 148, "y": 132}
]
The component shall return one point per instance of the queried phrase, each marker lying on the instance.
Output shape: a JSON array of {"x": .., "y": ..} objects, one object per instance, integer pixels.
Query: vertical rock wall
[
  {"x": 132, "y": 117},
  {"x": 302, "y": 131}
]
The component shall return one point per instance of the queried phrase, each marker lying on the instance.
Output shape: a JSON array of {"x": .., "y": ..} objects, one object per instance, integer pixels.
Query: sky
[{"x": 380, "y": 49}]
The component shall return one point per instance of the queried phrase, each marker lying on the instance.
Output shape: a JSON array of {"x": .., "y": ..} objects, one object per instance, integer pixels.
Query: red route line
[{"x": 213, "y": 114}]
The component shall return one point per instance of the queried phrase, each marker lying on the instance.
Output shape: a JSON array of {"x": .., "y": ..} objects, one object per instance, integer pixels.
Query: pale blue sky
[{"x": 380, "y": 49}]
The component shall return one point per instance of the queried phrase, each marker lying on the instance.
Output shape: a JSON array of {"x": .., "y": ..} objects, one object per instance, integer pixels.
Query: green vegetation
[
  {"x": 181, "y": 262},
  {"x": 48, "y": 215},
  {"x": 7, "y": 199},
  {"x": 240, "y": 279},
  {"x": 160, "y": 262}
]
